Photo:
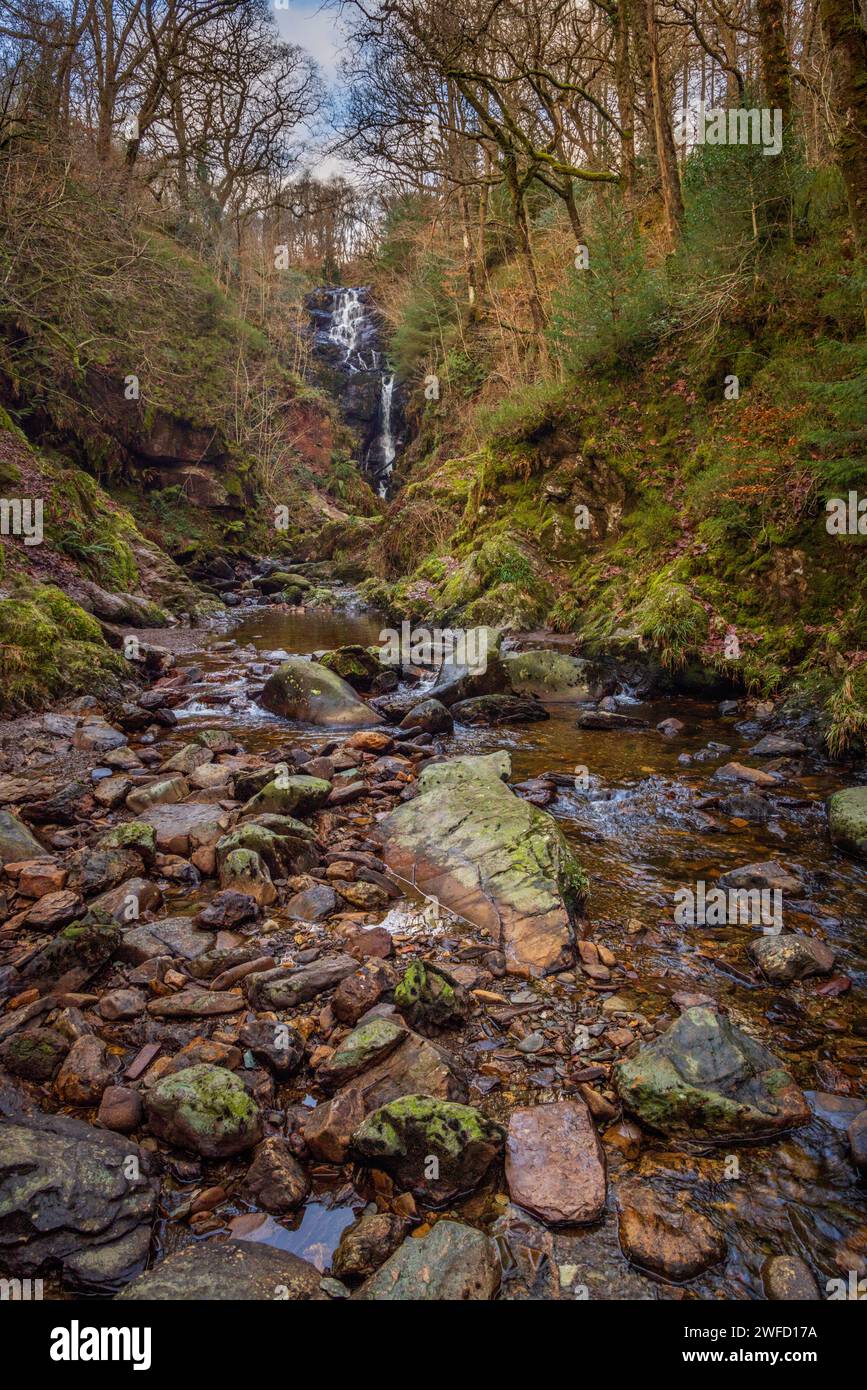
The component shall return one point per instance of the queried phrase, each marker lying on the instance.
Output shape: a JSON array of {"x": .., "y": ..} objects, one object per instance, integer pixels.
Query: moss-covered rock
[
  {"x": 358, "y": 666},
  {"x": 34, "y": 1053},
  {"x": 436, "y": 1148},
  {"x": 366, "y": 1045},
  {"x": 705, "y": 1079},
  {"x": 288, "y": 795},
  {"x": 430, "y": 1000},
  {"x": 847, "y": 820},
  {"x": 492, "y": 859},
  {"x": 310, "y": 693},
  {"x": 206, "y": 1109},
  {"x": 50, "y": 647},
  {"x": 136, "y": 835}
]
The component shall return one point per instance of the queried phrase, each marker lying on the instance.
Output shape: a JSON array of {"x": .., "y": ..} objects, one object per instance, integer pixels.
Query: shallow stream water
[{"x": 631, "y": 815}]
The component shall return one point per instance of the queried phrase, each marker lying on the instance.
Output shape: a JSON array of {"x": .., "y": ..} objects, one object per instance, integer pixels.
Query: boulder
[
  {"x": 183, "y": 829},
  {"x": 232, "y": 1271},
  {"x": 71, "y": 1198},
  {"x": 847, "y": 820},
  {"x": 552, "y": 676},
  {"x": 415, "y": 1067},
  {"x": 555, "y": 1166},
  {"x": 431, "y": 716},
  {"x": 285, "y": 989},
  {"x": 286, "y": 796},
  {"x": 366, "y": 1245},
  {"x": 791, "y": 956},
  {"x": 705, "y": 1079},
  {"x": 275, "y": 1180},
  {"x": 34, "y": 1054},
  {"x": 487, "y": 675},
  {"x": 491, "y": 858},
  {"x": 668, "y": 1239},
  {"x": 88, "y": 1069},
  {"x": 206, "y": 1109},
  {"x": 310, "y": 693},
  {"x": 75, "y": 954},
  {"x": 244, "y": 871},
  {"x": 366, "y": 1045},
  {"x": 490, "y": 710},
  {"x": 403, "y": 1136},
  {"x": 453, "y": 1263},
  {"x": 430, "y": 999},
  {"x": 16, "y": 842}
]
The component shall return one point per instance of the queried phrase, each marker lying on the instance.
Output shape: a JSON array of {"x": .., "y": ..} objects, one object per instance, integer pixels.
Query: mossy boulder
[
  {"x": 452, "y": 1264},
  {"x": 552, "y": 675},
  {"x": 366, "y": 1045},
  {"x": 705, "y": 1079},
  {"x": 430, "y": 1000},
  {"x": 245, "y": 871},
  {"x": 286, "y": 796},
  {"x": 136, "y": 835},
  {"x": 311, "y": 694},
  {"x": 357, "y": 665},
  {"x": 232, "y": 1271},
  {"x": 75, "y": 954},
  {"x": 284, "y": 853},
  {"x": 492, "y": 859},
  {"x": 206, "y": 1109},
  {"x": 404, "y": 1137},
  {"x": 34, "y": 1053},
  {"x": 50, "y": 647},
  {"x": 847, "y": 820}
]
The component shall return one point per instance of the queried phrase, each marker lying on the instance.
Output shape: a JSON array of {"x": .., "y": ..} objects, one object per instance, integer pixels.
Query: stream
[{"x": 634, "y": 823}]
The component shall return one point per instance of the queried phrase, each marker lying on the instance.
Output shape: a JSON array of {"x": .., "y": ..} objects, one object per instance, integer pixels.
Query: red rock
[
  {"x": 555, "y": 1167},
  {"x": 671, "y": 1239}
]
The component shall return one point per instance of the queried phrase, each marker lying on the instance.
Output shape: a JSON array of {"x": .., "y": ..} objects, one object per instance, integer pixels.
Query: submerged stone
[{"x": 705, "y": 1079}]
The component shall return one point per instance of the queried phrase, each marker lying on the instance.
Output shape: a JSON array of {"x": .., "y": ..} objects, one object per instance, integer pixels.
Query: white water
[
  {"x": 346, "y": 322},
  {"x": 386, "y": 439}
]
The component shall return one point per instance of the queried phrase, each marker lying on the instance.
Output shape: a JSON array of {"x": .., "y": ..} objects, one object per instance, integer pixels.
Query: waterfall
[
  {"x": 386, "y": 440},
  {"x": 348, "y": 341}
]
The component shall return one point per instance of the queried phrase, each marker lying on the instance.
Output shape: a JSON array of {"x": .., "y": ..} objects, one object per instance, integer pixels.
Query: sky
[{"x": 317, "y": 29}]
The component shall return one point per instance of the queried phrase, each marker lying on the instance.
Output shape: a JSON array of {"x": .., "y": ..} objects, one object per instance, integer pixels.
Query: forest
[{"x": 433, "y": 651}]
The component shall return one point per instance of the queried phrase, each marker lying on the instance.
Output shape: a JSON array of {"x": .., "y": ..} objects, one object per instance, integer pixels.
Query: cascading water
[{"x": 348, "y": 339}]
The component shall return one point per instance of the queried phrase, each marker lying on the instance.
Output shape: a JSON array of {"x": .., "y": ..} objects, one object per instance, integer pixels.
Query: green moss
[{"x": 50, "y": 647}]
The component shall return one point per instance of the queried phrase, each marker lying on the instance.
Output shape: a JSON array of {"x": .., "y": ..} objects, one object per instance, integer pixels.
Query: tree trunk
[
  {"x": 625, "y": 97},
  {"x": 774, "y": 57},
  {"x": 525, "y": 248},
  {"x": 665, "y": 146},
  {"x": 847, "y": 41}
]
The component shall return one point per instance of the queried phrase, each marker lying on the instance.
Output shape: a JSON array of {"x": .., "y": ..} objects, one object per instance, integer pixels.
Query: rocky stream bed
[{"x": 316, "y": 989}]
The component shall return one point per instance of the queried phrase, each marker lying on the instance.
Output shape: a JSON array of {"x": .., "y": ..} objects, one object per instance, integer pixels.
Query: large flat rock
[
  {"x": 221, "y": 1270},
  {"x": 491, "y": 858},
  {"x": 70, "y": 1198}
]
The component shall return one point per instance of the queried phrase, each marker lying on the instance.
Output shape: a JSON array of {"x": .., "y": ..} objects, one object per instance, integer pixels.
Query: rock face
[
  {"x": 553, "y": 676},
  {"x": 791, "y": 956},
  {"x": 310, "y": 693},
  {"x": 492, "y": 858},
  {"x": 228, "y": 1270},
  {"x": 206, "y": 1109},
  {"x": 706, "y": 1079},
  {"x": 67, "y": 1198},
  {"x": 668, "y": 1240},
  {"x": 453, "y": 1263},
  {"x": 555, "y": 1167},
  {"x": 404, "y": 1136},
  {"x": 847, "y": 820}
]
